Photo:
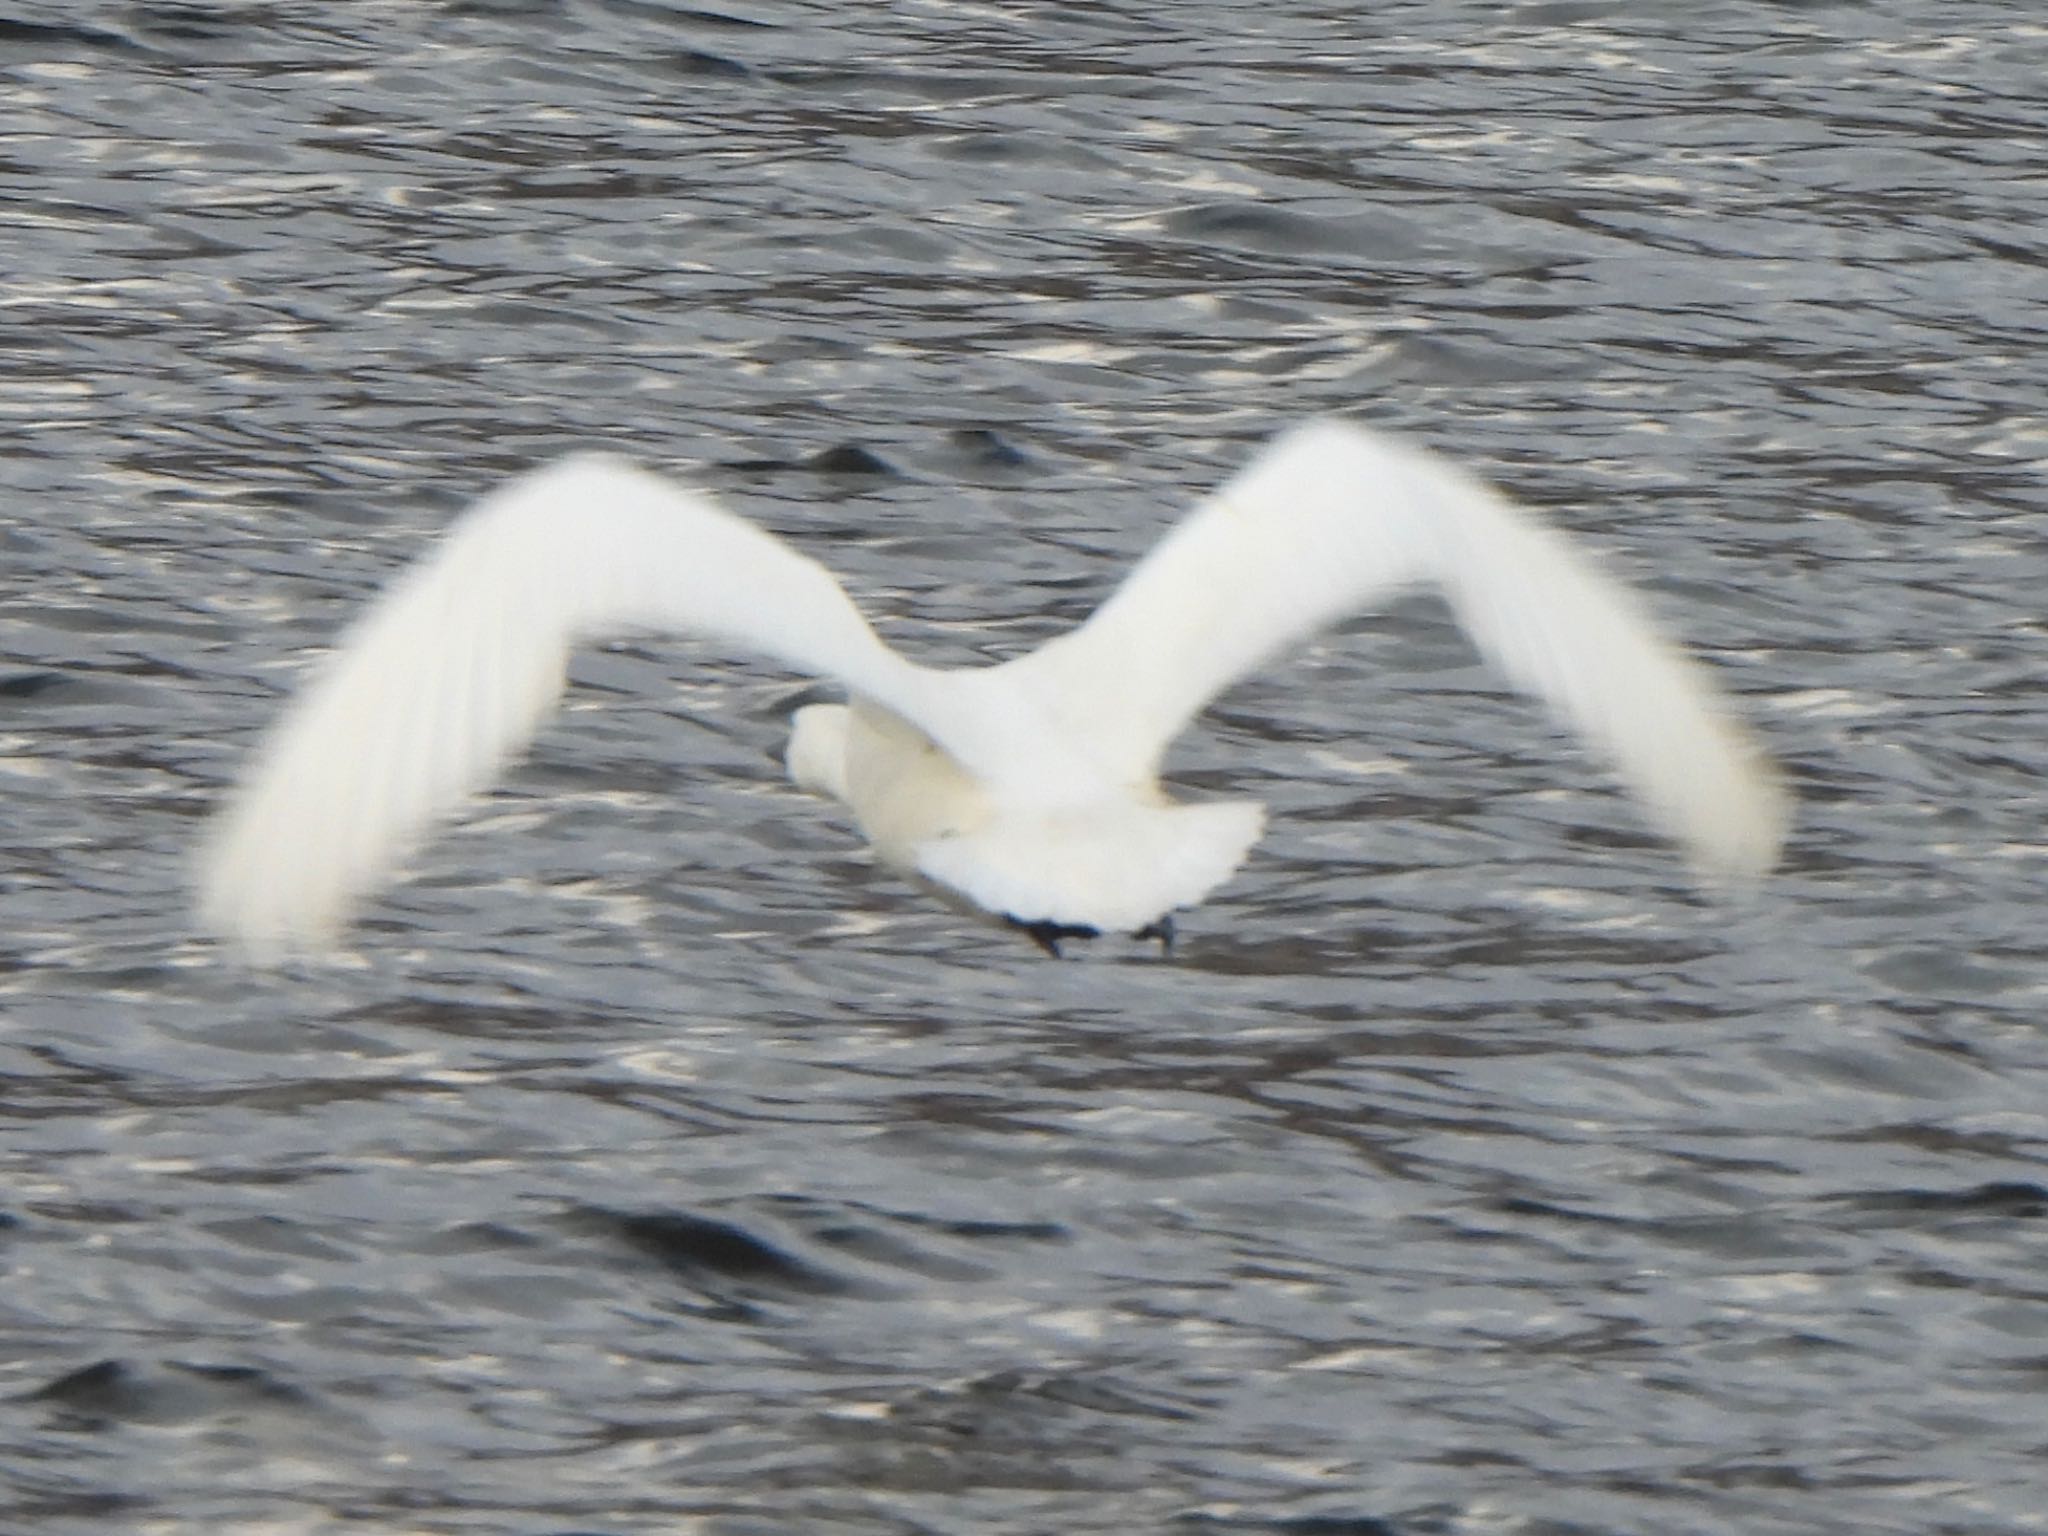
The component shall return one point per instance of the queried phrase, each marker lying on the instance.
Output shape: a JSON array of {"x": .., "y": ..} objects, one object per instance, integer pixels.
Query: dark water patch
[
  {"x": 29, "y": 685},
  {"x": 701, "y": 64},
  {"x": 1286, "y": 232},
  {"x": 1316, "y": 1525},
  {"x": 987, "y": 448},
  {"x": 912, "y": 1242},
  {"x": 697, "y": 16},
  {"x": 1452, "y": 362},
  {"x": 716, "y": 1256},
  {"x": 114, "y": 1391},
  {"x": 21, "y": 34},
  {"x": 197, "y": 24},
  {"x": 851, "y": 459},
  {"x": 1945, "y": 973},
  {"x": 64, "y": 693},
  {"x": 2002, "y": 1202},
  {"x": 462, "y": 10}
]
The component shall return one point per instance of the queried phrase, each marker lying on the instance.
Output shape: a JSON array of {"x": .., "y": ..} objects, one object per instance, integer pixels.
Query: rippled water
[{"x": 656, "y": 1164}]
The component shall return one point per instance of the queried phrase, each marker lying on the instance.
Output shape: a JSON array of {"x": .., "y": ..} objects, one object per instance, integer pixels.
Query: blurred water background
[{"x": 655, "y": 1164}]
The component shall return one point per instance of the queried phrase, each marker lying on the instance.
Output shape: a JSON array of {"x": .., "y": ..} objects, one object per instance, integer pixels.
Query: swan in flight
[{"x": 1030, "y": 789}]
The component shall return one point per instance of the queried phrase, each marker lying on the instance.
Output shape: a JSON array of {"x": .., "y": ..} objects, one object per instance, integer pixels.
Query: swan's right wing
[
  {"x": 451, "y": 670},
  {"x": 1332, "y": 518}
]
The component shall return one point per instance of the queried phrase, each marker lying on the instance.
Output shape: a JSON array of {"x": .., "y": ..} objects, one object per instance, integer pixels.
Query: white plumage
[{"x": 1028, "y": 788}]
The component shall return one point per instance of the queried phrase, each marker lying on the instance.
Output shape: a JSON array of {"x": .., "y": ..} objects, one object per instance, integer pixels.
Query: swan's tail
[{"x": 1117, "y": 868}]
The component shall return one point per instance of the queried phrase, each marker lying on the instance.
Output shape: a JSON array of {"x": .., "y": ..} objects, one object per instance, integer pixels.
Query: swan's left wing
[
  {"x": 452, "y": 668},
  {"x": 1332, "y": 518}
]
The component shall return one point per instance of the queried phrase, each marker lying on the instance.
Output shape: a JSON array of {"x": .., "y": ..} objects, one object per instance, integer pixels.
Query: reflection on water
[{"x": 658, "y": 1162}]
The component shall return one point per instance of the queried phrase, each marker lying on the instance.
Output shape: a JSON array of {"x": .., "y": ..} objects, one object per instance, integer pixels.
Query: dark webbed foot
[
  {"x": 1047, "y": 935},
  {"x": 1162, "y": 930}
]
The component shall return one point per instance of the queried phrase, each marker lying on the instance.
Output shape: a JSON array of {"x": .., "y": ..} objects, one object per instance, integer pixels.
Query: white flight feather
[
  {"x": 1333, "y": 517},
  {"x": 1029, "y": 788}
]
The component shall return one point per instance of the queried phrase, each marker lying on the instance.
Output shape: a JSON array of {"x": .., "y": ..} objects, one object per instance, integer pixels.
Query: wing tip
[
  {"x": 1735, "y": 838},
  {"x": 261, "y": 910}
]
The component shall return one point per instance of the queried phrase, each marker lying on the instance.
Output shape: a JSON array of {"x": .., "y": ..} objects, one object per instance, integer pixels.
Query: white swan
[{"x": 1028, "y": 788}]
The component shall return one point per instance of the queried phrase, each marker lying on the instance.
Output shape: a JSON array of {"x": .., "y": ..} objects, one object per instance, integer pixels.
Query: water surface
[{"x": 655, "y": 1163}]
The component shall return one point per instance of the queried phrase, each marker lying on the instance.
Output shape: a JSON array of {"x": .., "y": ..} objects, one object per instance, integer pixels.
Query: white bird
[{"x": 1029, "y": 788}]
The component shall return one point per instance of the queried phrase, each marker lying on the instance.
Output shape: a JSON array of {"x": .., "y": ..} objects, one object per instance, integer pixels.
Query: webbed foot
[
  {"x": 1047, "y": 934},
  {"x": 1160, "y": 929}
]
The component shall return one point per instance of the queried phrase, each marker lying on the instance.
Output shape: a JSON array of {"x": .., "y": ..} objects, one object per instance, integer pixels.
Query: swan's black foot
[
  {"x": 1047, "y": 935},
  {"x": 1162, "y": 930}
]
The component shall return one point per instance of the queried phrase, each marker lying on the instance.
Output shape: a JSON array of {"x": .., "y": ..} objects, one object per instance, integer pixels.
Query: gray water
[{"x": 654, "y": 1163}]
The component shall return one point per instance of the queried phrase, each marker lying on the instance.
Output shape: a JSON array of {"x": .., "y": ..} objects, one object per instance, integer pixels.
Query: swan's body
[{"x": 1030, "y": 788}]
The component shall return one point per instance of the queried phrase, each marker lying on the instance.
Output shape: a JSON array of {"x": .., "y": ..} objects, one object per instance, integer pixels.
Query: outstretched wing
[
  {"x": 1332, "y": 517},
  {"x": 452, "y": 669}
]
